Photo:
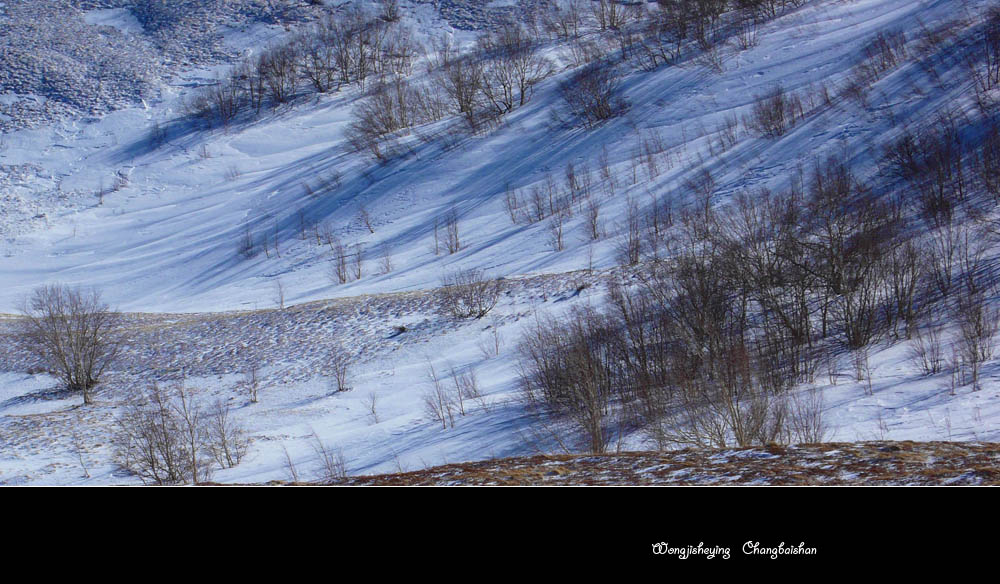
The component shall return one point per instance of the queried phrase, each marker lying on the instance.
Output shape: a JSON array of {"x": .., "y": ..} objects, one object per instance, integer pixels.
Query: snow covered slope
[{"x": 152, "y": 210}]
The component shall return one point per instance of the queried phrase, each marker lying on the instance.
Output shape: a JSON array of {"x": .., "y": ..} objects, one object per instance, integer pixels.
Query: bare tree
[
  {"x": 279, "y": 68},
  {"x": 451, "y": 239},
  {"x": 318, "y": 63},
  {"x": 593, "y": 208},
  {"x": 72, "y": 332},
  {"x": 512, "y": 67},
  {"x": 279, "y": 294},
  {"x": 148, "y": 440},
  {"x": 227, "y": 440},
  {"x": 193, "y": 423},
  {"x": 610, "y": 14},
  {"x": 358, "y": 257},
  {"x": 565, "y": 19},
  {"x": 437, "y": 403},
  {"x": 556, "y": 225},
  {"x": 991, "y": 49},
  {"x": 461, "y": 78},
  {"x": 365, "y": 217}
]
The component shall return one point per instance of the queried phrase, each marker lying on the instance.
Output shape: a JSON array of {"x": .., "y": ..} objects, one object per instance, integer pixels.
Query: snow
[
  {"x": 166, "y": 244},
  {"x": 120, "y": 18}
]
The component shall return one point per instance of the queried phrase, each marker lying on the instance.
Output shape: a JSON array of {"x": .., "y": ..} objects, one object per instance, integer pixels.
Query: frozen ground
[{"x": 164, "y": 246}]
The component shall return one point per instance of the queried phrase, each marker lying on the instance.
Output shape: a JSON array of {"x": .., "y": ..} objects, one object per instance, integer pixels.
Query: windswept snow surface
[
  {"x": 120, "y": 18},
  {"x": 166, "y": 242}
]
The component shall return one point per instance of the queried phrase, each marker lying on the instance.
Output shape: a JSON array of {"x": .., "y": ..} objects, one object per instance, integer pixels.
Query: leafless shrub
[
  {"x": 167, "y": 437},
  {"x": 907, "y": 277},
  {"x": 392, "y": 106},
  {"x": 979, "y": 323},
  {"x": 565, "y": 19},
  {"x": 357, "y": 258},
  {"x": 227, "y": 441},
  {"x": 492, "y": 344},
  {"x": 747, "y": 23},
  {"x": 555, "y": 225},
  {"x": 293, "y": 473},
  {"x": 317, "y": 60},
  {"x": 883, "y": 53},
  {"x": 806, "y": 424},
  {"x": 584, "y": 51},
  {"x": 561, "y": 370},
  {"x": 932, "y": 162},
  {"x": 665, "y": 32},
  {"x": 247, "y": 247},
  {"x": 593, "y": 210},
  {"x": 340, "y": 363},
  {"x": 386, "y": 258},
  {"x": 728, "y": 133},
  {"x": 469, "y": 293},
  {"x": 984, "y": 63},
  {"x": 279, "y": 294},
  {"x": 71, "y": 331},
  {"x": 745, "y": 415},
  {"x": 856, "y": 89},
  {"x": 437, "y": 402},
  {"x": 338, "y": 271},
  {"x": 251, "y": 382},
  {"x": 389, "y": 10},
  {"x": 926, "y": 350},
  {"x": 774, "y": 113},
  {"x": 861, "y": 360},
  {"x": 513, "y": 204},
  {"x": 437, "y": 236},
  {"x": 148, "y": 440},
  {"x": 630, "y": 246},
  {"x": 610, "y": 14},
  {"x": 987, "y": 160},
  {"x": 332, "y": 465},
  {"x": 371, "y": 403},
  {"x": 591, "y": 93},
  {"x": 466, "y": 387}
]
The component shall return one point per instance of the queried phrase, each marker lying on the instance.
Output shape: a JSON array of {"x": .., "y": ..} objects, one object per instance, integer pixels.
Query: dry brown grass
[{"x": 863, "y": 463}]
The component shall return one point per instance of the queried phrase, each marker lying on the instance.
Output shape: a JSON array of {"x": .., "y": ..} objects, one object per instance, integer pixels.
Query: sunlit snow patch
[{"x": 119, "y": 18}]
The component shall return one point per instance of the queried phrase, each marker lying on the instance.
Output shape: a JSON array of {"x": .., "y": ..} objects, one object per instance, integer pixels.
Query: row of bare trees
[
  {"x": 744, "y": 302},
  {"x": 347, "y": 46},
  {"x": 167, "y": 436}
]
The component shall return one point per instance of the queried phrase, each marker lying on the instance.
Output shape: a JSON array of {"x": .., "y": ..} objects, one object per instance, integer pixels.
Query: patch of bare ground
[{"x": 861, "y": 463}]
